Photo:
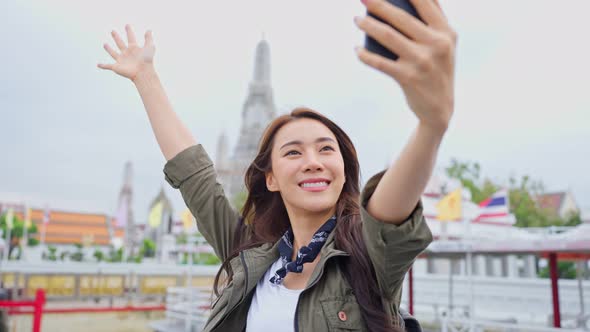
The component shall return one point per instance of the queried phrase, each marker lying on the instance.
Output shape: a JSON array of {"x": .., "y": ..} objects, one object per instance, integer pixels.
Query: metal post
[
  {"x": 450, "y": 310},
  {"x": 554, "y": 289},
  {"x": 38, "y": 310},
  {"x": 579, "y": 272},
  {"x": 187, "y": 323},
  {"x": 25, "y": 241},
  {"x": 469, "y": 265},
  {"x": 411, "y": 290}
]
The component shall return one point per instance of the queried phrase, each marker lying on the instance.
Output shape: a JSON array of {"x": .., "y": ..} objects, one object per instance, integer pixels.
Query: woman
[{"x": 306, "y": 254}]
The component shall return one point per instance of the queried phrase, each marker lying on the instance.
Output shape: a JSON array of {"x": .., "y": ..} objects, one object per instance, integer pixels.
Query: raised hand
[
  {"x": 426, "y": 64},
  {"x": 131, "y": 58}
]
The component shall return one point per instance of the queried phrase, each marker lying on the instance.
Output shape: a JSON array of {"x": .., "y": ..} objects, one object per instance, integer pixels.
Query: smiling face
[{"x": 307, "y": 167}]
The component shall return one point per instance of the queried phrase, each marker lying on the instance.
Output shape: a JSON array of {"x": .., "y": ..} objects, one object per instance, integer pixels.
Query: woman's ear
[{"x": 271, "y": 183}]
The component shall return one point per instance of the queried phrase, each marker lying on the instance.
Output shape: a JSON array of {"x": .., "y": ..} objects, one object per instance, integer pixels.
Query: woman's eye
[
  {"x": 291, "y": 153},
  {"x": 327, "y": 147}
]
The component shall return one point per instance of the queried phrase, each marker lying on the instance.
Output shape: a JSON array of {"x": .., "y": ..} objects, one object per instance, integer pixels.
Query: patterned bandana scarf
[{"x": 306, "y": 254}]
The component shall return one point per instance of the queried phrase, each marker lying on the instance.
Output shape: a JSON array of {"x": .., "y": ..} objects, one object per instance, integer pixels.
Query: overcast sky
[{"x": 522, "y": 101}]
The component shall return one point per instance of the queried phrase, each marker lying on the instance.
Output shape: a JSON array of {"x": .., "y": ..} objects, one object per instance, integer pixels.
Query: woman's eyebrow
[{"x": 319, "y": 140}]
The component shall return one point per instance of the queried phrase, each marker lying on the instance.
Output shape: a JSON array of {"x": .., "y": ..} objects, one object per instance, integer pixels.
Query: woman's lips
[{"x": 315, "y": 186}]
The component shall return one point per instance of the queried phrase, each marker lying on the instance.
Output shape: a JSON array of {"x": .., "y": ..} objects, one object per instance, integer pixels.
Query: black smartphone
[{"x": 373, "y": 45}]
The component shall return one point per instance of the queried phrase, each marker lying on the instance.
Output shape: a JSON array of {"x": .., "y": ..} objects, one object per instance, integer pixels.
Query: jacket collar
[{"x": 259, "y": 259}]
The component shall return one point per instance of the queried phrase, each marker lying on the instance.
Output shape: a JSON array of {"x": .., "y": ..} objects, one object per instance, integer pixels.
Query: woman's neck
[{"x": 305, "y": 225}]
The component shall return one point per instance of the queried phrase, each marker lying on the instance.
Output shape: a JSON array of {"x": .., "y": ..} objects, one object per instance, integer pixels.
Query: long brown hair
[{"x": 266, "y": 219}]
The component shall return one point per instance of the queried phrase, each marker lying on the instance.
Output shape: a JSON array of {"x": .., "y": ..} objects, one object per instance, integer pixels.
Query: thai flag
[{"x": 495, "y": 209}]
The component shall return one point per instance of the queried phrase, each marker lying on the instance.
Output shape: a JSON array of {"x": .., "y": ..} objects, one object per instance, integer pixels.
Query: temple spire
[
  {"x": 262, "y": 63},
  {"x": 257, "y": 111}
]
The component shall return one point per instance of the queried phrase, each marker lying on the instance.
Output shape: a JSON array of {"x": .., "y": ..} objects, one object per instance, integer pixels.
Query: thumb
[{"x": 149, "y": 39}]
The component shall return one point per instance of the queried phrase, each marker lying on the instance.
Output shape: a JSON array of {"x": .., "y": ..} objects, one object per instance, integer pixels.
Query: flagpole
[
  {"x": 155, "y": 222},
  {"x": 124, "y": 251},
  {"x": 44, "y": 220},
  {"x": 467, "y": 240},
  {"x": 27, "y": 218},
  {"x": 7, "y": 244},
  {"x": 159, "y": 238},
  {"x": 469, "y": 266},
  {"x": 443, "y": 230},
  {"x": 9, "y": 221},
  {"x": 43, "y": 234}
]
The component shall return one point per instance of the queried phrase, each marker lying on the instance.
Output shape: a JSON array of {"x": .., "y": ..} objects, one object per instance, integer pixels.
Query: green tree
[
  {"x": 17, "y": 231},
  {"x": 115, "y": 256},
  {"x": 52, "y": 253},
  {"x": 469, "y": 175},
  {"x": 182, "y": 238},
  {"x": 63, "y": 255},
  {"x": 239, "y": 199},
  {"x": 98, "y": 255},
  {"x": 211, "y": 259},
  {"x": 573, "y": 219},
  {"x": 78, "y": 255},
  {"x": 523, "y": 205},
  {"x": 206, "y": 259},
  {"x": 148, "y": 248},
  {"x": 565, "y": 270}
]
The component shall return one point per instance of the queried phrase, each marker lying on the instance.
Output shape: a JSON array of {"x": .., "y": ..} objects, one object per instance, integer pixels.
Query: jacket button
[{"x": 342, "y": 316}]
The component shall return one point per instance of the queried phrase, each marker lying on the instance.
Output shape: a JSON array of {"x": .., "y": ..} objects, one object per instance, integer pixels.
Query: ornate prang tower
[{"x": 258, "y": 110}]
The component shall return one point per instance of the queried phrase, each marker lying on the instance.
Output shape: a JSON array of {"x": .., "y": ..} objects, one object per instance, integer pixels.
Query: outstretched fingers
[
  {"x": 130, "y": 35},
  {"x": 120, "y": 43},
  {"x": 149, "y": 39},
  {"x": 105, "y": 66},
  {"x": 111, "y": 51}
]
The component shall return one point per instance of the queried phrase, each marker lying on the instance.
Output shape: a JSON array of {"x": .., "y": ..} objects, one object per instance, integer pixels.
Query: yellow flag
[
  {"x": 28, "y": 222},
  {"x": 187, "y": 219},
  {"x": 155, "y": 217},
  {"x": 449, "y": 207}
]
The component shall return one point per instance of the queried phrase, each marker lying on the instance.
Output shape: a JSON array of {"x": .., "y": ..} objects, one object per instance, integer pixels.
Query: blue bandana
[{"x": 306, "y": 254}]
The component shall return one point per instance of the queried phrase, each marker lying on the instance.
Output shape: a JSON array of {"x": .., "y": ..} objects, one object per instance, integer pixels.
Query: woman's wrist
[
  {"x": 145, "y": 75},
  {"x": 434, "y": 130}
]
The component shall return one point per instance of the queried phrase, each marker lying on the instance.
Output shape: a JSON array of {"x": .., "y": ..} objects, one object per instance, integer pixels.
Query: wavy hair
[{"x": 265, "y": 219}]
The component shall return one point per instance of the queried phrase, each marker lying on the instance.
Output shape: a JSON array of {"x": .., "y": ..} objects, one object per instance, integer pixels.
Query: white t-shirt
[{"x": 273, "y": 306}]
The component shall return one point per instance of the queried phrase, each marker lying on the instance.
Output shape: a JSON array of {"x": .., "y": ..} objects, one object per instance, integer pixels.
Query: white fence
[
  {"x": 519, "y": 300},
  {"x": 151, "y": 269},
  {"x": 504, "y": 300},
  {"x": 456, "y": 325},
  {"x": 66, "y": 281},
  {"x": 187, "y": 310}
]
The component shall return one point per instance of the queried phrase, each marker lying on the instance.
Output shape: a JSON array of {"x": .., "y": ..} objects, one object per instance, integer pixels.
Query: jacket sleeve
[
  {"x": 193, "y": 173},
  {"x": 392, "y": 248}
]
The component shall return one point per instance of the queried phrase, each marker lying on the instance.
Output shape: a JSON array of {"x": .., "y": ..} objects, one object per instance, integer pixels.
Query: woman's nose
[{"x": 312, "y": 163}]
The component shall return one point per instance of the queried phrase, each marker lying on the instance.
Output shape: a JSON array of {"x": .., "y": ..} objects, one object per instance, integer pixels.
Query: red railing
[{"x": 37, "y": 306}]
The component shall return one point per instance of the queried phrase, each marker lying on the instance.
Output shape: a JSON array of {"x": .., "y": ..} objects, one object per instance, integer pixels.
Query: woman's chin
[
  {"x": 319, "y": 207},
  {"x": 313, "y": 205}
]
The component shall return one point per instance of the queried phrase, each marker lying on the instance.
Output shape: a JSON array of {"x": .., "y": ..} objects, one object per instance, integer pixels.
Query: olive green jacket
[{"x": 392, "y": 250}]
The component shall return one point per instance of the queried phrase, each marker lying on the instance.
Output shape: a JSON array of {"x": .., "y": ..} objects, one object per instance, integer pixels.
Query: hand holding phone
[
  {"x": 426, "y": 46},
  {"x": 373, "y": 45}
]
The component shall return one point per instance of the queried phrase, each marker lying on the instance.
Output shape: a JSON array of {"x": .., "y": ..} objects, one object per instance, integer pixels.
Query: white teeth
[{"x": 315, "y": 184}]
